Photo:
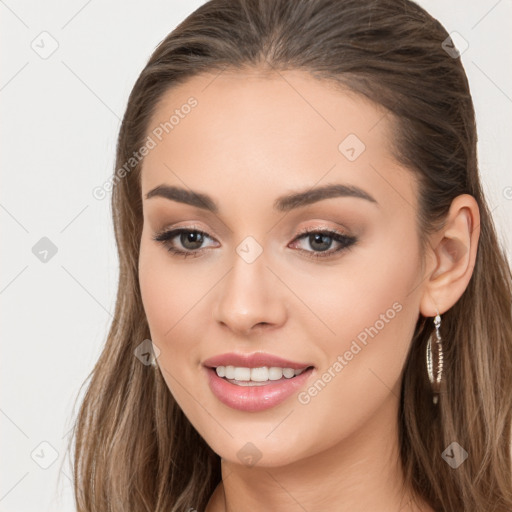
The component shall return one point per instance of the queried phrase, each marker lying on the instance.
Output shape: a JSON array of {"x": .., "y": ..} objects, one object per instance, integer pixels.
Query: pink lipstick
[{"x": 255, "y": 382}]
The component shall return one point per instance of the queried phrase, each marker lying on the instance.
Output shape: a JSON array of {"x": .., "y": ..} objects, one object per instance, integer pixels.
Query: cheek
[
  {"x": 156, "y": 290},
  {"x": 168, "y": 297},
  {"x": 167, "y": 291},
  {"x": 367, "y": 288},
  {"x": 174, "y": 296},
  {"x": 373, "y": 320},
  {"x": 369, "y": 310}
]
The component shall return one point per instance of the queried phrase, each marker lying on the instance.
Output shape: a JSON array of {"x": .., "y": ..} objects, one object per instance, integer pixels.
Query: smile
[{"x": 254, "y": 396}]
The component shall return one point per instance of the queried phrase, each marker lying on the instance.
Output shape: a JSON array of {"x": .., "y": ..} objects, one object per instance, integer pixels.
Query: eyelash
[{"x": 164, "y": 237}]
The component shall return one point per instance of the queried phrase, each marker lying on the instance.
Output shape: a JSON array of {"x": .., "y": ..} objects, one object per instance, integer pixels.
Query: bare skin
[{"x": 252, "y": 138}]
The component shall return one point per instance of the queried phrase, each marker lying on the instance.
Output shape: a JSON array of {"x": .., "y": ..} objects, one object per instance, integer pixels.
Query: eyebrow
[{"x": 283, "y": 203}]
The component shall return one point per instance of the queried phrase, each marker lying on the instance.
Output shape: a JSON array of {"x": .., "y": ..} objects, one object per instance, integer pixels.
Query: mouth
[{"x": 256, "y": 389}]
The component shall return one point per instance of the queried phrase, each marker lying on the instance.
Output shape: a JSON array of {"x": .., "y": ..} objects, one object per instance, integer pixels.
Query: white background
[{"x": 60, "y": 118}]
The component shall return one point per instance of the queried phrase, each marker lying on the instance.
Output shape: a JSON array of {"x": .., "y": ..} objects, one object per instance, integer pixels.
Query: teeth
[
  {"x": 288, "y": 373},
  {"x": 242, "y": 373},
  {"x": 261, "y": 374}
]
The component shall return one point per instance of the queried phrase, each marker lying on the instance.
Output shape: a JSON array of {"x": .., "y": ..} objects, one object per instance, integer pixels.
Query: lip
[
  {"x": 255, "y": 398},
  {"x": 256, "y": 360}
]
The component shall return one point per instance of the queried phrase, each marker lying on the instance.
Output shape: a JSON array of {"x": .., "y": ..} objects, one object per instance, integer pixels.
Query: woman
[{"x": 313, "y": 311}]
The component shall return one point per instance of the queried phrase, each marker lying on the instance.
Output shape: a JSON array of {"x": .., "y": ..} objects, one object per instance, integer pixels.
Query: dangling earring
[{"x": 437, "y": 355}]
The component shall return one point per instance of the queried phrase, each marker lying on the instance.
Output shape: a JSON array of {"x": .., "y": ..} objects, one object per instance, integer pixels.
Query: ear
[{"x": 451, "y": 257}]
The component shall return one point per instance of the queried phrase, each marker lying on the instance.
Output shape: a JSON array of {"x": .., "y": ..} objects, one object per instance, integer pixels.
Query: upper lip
[{"x": 256, "y": 360}]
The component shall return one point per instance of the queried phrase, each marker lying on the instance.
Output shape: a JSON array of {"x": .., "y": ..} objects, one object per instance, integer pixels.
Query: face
[{"x": 326, "y": 282}]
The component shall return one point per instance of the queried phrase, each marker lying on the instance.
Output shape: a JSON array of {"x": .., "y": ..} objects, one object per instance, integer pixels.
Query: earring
[{"x": 437, "y": 354}]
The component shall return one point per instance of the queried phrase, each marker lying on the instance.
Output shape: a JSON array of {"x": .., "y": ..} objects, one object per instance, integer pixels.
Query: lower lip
[{"x": 255, "y": 398}]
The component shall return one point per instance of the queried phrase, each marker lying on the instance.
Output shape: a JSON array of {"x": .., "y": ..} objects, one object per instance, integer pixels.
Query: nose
[{"x": 250, "y": 298}]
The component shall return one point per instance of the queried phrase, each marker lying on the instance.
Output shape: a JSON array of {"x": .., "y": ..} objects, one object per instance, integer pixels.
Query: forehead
[
  {"x": 252, "y": 100},
  {"x": 258, "y": 131}
]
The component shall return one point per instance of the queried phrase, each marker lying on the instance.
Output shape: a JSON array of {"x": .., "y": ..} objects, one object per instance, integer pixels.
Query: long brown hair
[{"x": 134, "y": 448}]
